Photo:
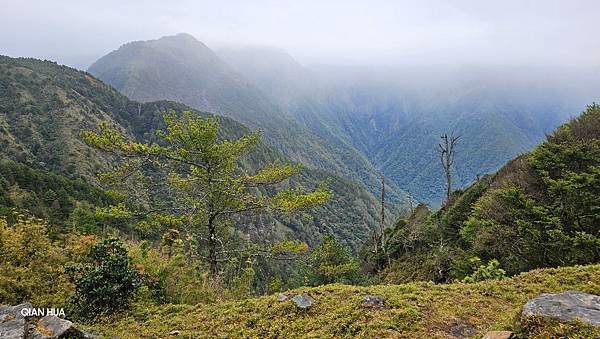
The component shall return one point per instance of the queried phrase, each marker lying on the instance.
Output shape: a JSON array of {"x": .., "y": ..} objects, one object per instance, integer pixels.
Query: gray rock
[
  {"x": 12, "y": 322},
  {"x": 373, "y": 301},
  {"x": 175, "y": 333},
  {"x": 51, "y": 326},
  {"x": 12, "y": 312},
  {"x": 12, "y": 329},
  {"x": 570, "y": 305},
  {"x": 282, "y": 297},
  {"x": 303, "y": 301}
]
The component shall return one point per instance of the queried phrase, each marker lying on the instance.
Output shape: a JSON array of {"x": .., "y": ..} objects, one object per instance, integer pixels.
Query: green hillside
[
  {"x": 542, "y": 209},
  {"x": 44, "y": 107},
  {"x": 416, "y": 310},
  {"x": 183, "y": 69},
  {"x": 394, "y": 116}
]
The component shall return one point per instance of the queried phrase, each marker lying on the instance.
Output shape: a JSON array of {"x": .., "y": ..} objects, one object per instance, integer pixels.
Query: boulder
[
  {"x": 373, "y": 301},
  {"x": 51, "y": 326},
  {"x": 282, "y": 297},
  {"x": 12, "y": 312},
  {"x": 175, "y": 333},
  {"x": 303, "y": 301},
  {"x": 568, "y": 306},
  {"x": 12, "y": 329},
  {"x": 498, "y": 335},
  {"x": 12, "y": 322}
]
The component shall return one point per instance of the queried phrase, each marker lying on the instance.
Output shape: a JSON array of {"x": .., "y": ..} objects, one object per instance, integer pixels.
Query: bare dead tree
[
  {"x": 382, "y": 226},
  {"x": 379, "y": 235},
  {"x": 447, "y": 153}
]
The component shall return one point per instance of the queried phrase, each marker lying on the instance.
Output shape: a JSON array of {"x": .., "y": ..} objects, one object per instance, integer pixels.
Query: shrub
[
  {"x": 31, "y": 265},
  {"x": 106, "y": 283},
  {"x": 490, "y": 271},
  {"x": 171, "y": 276}
]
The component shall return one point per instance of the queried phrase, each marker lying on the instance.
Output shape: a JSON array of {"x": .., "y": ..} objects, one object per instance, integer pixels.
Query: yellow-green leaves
[
  {"x": 291, "y": 200},
  {"x": 119, "y": 211},
  {"x": 272, "y": 174}
]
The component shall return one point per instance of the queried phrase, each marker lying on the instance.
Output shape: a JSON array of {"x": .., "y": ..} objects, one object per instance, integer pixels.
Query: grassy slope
[{"x": 415, "y": 310}]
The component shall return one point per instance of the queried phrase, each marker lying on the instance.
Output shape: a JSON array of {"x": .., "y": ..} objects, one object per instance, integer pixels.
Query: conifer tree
[{"x": 191, "y": 178}]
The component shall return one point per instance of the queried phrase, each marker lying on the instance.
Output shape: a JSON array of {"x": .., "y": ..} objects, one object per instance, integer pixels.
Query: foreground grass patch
[{"x": 411, "y": 310}]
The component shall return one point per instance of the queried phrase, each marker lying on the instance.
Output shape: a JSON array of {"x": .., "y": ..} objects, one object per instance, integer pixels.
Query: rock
[
  {"x": 568, "y": 306},
  {"x": 282, "y": 297},
  {"x": 498, "y": 335},
  {"x": 12, "y": 322},
  {"x": 12, "y": 329},
  {"x": 175, "y": 333},
  {"x": 373, "y": 301},
  {"x": 13, "y": 325},
  {"x": 51, "y": 326},
  {"x": 12, "y": 312},
  {"x": 462, "y": 330},
  {"x": 303, "y": 301}
]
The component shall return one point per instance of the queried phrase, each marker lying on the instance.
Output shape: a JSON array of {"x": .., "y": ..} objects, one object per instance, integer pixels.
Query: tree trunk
[{"x": 212, "y": 247}]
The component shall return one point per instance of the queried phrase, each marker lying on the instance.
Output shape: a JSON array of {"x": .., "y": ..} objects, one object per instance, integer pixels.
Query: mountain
[
  {"x": 45, "y": 106},
  {"x": 541, "y": 209},
  {"x": 183, "y": 69},
  {"x": 394, "y": 116}
]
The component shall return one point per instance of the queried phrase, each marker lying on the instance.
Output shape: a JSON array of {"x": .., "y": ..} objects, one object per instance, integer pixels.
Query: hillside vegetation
[
  {"x": 540, "y": 210},
  {"x": 183, "y": 69},
  {"x": 416, "y": 310},
  {"x": 394, "y": 116},
  {"x": 44, "y": 107}
]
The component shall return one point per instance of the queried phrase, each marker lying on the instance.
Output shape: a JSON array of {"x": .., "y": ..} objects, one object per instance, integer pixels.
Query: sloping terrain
[
  {"x": 542, "y": 209},
  {"x": 44, "y": 107},
  {"x": 394, "y": 116},
  {"x": 183, "y": 69},
  {"x": 416, "y": 310}
]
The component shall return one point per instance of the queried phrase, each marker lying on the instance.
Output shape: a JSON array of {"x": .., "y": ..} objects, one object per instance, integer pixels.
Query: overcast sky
[{"x": 546, "y": 32}]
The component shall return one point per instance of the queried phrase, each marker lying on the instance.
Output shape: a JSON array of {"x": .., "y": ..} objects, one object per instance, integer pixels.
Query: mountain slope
[
  {"x": 416, "y": 310},
  {"x": 394, "y": 116},
  {"x": 183, "y": 69},
  {"x": 44, "y": 107},
  {"x": 542, "y": 209}
]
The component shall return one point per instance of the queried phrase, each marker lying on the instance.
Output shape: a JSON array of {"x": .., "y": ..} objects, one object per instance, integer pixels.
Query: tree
[
  {"x": 332, "y": 262},
  {"x": 107, "y": 283},
  {"x": 191, "y": 178},
  {"x": 447, "y": 153}
]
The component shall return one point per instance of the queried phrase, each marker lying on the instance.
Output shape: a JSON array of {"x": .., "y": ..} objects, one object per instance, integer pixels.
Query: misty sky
[{"x": 519, "y": 32}]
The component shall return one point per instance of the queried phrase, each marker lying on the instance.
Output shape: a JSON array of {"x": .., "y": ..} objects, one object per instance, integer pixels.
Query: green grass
[{"x": 415, "y": 310}]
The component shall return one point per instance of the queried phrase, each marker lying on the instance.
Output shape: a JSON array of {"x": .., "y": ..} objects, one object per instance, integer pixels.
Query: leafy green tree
[
  {"x": 191, "y": 178},
  {"x": 106, "y": 284},
  {"x": 332, "y": 262}
]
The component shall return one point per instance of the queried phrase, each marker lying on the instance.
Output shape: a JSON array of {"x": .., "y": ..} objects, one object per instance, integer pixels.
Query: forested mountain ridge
[
  {"x": 542, "y": 209},
  {"x": 183, "y": 69},
  {"x": 394, "y": 116},
  {"x": 44, "y": 107}
]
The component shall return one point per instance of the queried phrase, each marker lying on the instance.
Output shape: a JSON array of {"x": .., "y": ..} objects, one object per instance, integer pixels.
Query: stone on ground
[
  {"x": 567, "y": 306},
  {"x": 303, "y": 301}
]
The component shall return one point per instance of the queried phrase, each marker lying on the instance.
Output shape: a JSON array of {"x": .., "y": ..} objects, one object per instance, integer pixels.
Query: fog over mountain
[
  {"x": 358, "y": 87},
  {"x": 380, "y": 32}
]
